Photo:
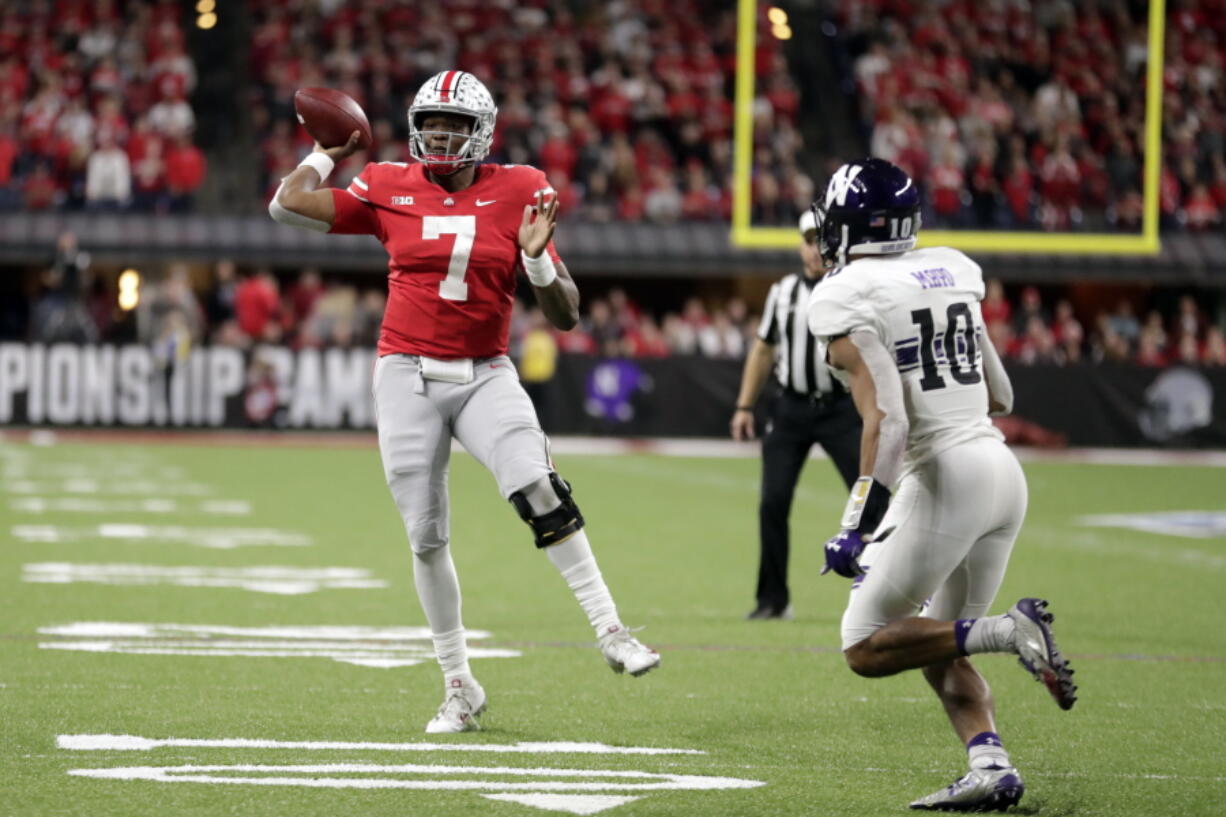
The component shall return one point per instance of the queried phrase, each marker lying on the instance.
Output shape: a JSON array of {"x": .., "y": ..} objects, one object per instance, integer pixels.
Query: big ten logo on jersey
[{"x": 402, "y": 201}]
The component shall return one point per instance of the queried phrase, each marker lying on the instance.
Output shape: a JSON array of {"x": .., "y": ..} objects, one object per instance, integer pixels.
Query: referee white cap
[{"x": 808, "y": 222}]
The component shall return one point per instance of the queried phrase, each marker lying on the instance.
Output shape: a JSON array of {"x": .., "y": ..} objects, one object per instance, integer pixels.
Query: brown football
[{"x": 330, "y": 116}]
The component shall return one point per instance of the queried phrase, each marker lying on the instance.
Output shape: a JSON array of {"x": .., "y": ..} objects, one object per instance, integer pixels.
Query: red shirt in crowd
[
  {"x": 185, "y": 167},
  {"x": 255, "y": 304}
]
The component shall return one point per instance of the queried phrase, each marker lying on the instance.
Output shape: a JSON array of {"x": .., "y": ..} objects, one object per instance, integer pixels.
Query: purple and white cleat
[
  {"x": 992, "y": 788},
  {"x": 1037, "y": 651}
]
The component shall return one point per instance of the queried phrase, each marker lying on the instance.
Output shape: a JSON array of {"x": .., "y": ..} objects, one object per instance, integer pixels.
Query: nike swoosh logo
[{"x": 483, "y": 203}]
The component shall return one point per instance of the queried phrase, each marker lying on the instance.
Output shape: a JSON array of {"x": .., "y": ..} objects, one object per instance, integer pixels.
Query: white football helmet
[{"x": 457, "y": 92}]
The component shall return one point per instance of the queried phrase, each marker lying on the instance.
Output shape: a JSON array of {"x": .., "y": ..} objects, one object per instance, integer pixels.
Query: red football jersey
[{"x": 453, "y": 257}]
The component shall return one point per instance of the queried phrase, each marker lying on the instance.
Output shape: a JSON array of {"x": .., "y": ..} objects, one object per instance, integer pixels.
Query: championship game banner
[
  {"x": 277, "y": 387},
  {"x": 212, "y": 387}
]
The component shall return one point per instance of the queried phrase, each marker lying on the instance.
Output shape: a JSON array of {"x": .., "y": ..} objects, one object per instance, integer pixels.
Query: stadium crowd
[
  {"x": 627, "y": 106},
  {"x": 93, "y": 107},
  {"x": 1025, "y": 115},
  {"x": 255, "y": 306}
]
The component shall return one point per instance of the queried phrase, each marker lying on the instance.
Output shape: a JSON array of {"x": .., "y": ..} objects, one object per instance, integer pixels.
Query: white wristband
[
  {"x": 321, "y": 163},
  {"x": 541, "y": 271}
]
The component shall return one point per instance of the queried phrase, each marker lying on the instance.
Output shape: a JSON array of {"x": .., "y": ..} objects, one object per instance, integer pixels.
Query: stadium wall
[{"x": 274, "y": 387}]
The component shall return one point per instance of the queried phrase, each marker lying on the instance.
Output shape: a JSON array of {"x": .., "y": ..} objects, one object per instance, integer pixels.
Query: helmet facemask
[{"x": 458, "y": 150}]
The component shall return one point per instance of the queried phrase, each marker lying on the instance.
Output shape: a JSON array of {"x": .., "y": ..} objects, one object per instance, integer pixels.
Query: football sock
[
  {"x": 438, "y": 589},
  {"x": 987, "y": 634},
  {"x": 985, "y": 750},
  {"x": 574, "y": 560}
]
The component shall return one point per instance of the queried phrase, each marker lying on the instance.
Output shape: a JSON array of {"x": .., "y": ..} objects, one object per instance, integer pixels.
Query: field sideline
[{"x": 244, "y": 614}]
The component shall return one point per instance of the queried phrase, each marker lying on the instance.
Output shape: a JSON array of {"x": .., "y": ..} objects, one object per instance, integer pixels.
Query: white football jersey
[{"x": 924, "y": 306}]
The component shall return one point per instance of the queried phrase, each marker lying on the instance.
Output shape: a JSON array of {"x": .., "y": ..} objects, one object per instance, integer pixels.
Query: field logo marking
[
  {"x": 220, "y": 538},
  {"x": 1189, "y": 524},
  {"x": 159, "y": 505},
  {"x": 378, "y": 647},
  {"x": 284, "y": 581},
  {"x": 575, "y": 791},
  {"x": 136, "y": 743}
]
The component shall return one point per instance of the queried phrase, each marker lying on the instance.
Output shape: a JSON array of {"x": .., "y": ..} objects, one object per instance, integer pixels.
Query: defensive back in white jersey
[{"x": 924, "y": 306}]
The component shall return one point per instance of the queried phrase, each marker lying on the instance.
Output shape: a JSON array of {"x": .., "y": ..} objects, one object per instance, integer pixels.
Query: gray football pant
[{"x": 492, "y": 418}]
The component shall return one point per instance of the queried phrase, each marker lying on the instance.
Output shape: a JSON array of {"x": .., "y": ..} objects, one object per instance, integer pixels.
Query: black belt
[{"x": 815, "y": 399}]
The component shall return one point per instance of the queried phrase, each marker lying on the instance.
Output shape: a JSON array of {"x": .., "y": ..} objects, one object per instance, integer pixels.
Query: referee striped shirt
[{"x": 784, "y": 327}]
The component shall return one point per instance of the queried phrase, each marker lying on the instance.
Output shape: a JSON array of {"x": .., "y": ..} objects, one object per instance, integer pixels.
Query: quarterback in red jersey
[{"x": 457, "y": 233}]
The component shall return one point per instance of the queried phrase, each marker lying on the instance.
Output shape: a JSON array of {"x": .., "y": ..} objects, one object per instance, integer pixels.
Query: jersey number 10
[{"x": 954, "y": 318}]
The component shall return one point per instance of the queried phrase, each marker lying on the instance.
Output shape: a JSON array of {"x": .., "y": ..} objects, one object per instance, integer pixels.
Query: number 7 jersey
[
  {"x": 924, "y": 306},
  {"x": 453, "y": 258}
]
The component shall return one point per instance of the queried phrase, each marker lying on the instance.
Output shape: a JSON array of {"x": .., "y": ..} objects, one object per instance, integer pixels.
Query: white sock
[
  {"x": 986, "y": 751},
  {"x": 438, "y": 589},
  {"x": 574, "y": 560},
  {"x": 988, "y": 634}
]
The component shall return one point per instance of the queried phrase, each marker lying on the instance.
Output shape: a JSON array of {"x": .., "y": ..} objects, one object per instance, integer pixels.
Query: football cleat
[
  {"x": 464, "y": 702},
  {"x": 1037, "y": 651},
  {"x": 625, "y": 653},
  {"x": 993, "y": 788}
]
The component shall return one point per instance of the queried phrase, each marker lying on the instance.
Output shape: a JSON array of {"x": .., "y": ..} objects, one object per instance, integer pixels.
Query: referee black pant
[{"x": 797, "y": 422}]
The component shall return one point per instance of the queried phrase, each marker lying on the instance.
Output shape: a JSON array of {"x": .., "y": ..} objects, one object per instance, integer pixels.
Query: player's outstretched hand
[
  {"x": 344, "y": 151},
  {"x": 538, "y": 225},
  {"x": 742, "y": 425}
]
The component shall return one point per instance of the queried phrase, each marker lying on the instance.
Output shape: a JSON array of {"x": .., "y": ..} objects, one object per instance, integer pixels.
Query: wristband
[
  {"x": 541, "y": 271},
  {"x": 321, "y": 163},
  {"x": 866, "y": 505},
  {"x": 744, "y": 408}
]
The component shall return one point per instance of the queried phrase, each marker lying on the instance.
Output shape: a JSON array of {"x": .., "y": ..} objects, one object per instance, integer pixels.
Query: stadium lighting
[
  {"x": 129, "y": 289},
  {"x": 206, "y": 6},
  {"x": 776, "y": 15},
  {"x": 206, "y": 21},
  {"x": 782, "y": 31}
]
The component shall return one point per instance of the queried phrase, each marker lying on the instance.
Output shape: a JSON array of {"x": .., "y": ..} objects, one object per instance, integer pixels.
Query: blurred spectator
[
  {"x": 185, "y": 168},
  {"x": 219, "y": 307},
  {"x": 160, "y": 299},
  {"x": 538, "y": 360},
  {"x": 720, "y": 338},
  {"x": 59, "y": 312},
  {"x": 1031, "y": 307},
  {"x": 108, "y": 177},
  {"x": 1124, "y": 323},
  {"x": 1215, "y": 347},
  {"x": 256, "y": 305}
]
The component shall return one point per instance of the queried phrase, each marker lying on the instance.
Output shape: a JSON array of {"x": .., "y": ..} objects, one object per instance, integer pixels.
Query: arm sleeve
[
  {"x": 838, "y": 307},
  {"x": 768, "y": 327},
  {"x": 893, "y": 429},
  {"x": 355, "y": 215},
  {"x": 999, "y": 387}
]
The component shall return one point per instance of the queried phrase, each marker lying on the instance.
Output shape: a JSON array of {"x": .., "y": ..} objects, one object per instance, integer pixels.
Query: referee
[{"x": 811, "y": 407}]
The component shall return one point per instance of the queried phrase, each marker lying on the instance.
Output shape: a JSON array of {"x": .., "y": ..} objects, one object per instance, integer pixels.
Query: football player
[
  {"x": 457, "y": 233},
  {"x": 904, "y": 328}
]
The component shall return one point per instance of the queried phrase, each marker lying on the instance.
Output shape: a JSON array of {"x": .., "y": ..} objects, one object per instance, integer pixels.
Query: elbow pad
[{"x": 288, "y": 217}]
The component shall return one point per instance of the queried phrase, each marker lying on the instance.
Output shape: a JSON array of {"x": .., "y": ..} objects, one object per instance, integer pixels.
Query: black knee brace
[{"x": 556, "y": 525}]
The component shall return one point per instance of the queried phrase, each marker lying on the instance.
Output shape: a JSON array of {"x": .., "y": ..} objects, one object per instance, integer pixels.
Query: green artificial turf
[{"x": 1138, "y": 614}]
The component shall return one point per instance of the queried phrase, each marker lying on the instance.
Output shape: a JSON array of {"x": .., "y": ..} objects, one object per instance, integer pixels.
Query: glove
[
  {"x": 843, "y": 554},
  {"x": 865, "y": 507}
]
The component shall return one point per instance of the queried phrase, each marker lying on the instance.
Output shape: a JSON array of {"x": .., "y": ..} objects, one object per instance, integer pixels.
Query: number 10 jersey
[
  {"x": 452, "y": 257},
  {"x": 924, "y": 306}
]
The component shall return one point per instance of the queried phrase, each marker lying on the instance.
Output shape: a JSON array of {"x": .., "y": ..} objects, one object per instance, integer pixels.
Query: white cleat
[
  {"x": 625, "y": 653},
  {"x": 464, "y": 702},
  {"x": 994, "y": 788}
]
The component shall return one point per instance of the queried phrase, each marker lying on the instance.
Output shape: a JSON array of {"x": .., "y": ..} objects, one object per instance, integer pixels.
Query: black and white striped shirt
[{"x": 784, "y": 327}]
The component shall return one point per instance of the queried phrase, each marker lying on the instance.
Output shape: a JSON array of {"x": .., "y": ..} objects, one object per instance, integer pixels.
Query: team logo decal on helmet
[
  {"x": 872, "y": 208},
  {"x": 454, "y": 92}
]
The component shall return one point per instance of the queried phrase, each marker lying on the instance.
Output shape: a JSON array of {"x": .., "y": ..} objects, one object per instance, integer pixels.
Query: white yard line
[{"x": 135, "y": 743}]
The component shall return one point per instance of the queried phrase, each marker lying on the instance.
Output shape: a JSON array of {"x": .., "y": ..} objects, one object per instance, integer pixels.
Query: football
[{"x": 329, "y": 116}]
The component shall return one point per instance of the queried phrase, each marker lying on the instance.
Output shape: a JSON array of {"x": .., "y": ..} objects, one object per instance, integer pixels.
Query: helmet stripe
[{"x": 445, "y": 91}]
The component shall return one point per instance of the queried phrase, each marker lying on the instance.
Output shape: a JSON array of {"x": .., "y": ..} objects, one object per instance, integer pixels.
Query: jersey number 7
[
  {"x": 956, "y": 313},
  {"x": 464, "y": 228}
]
